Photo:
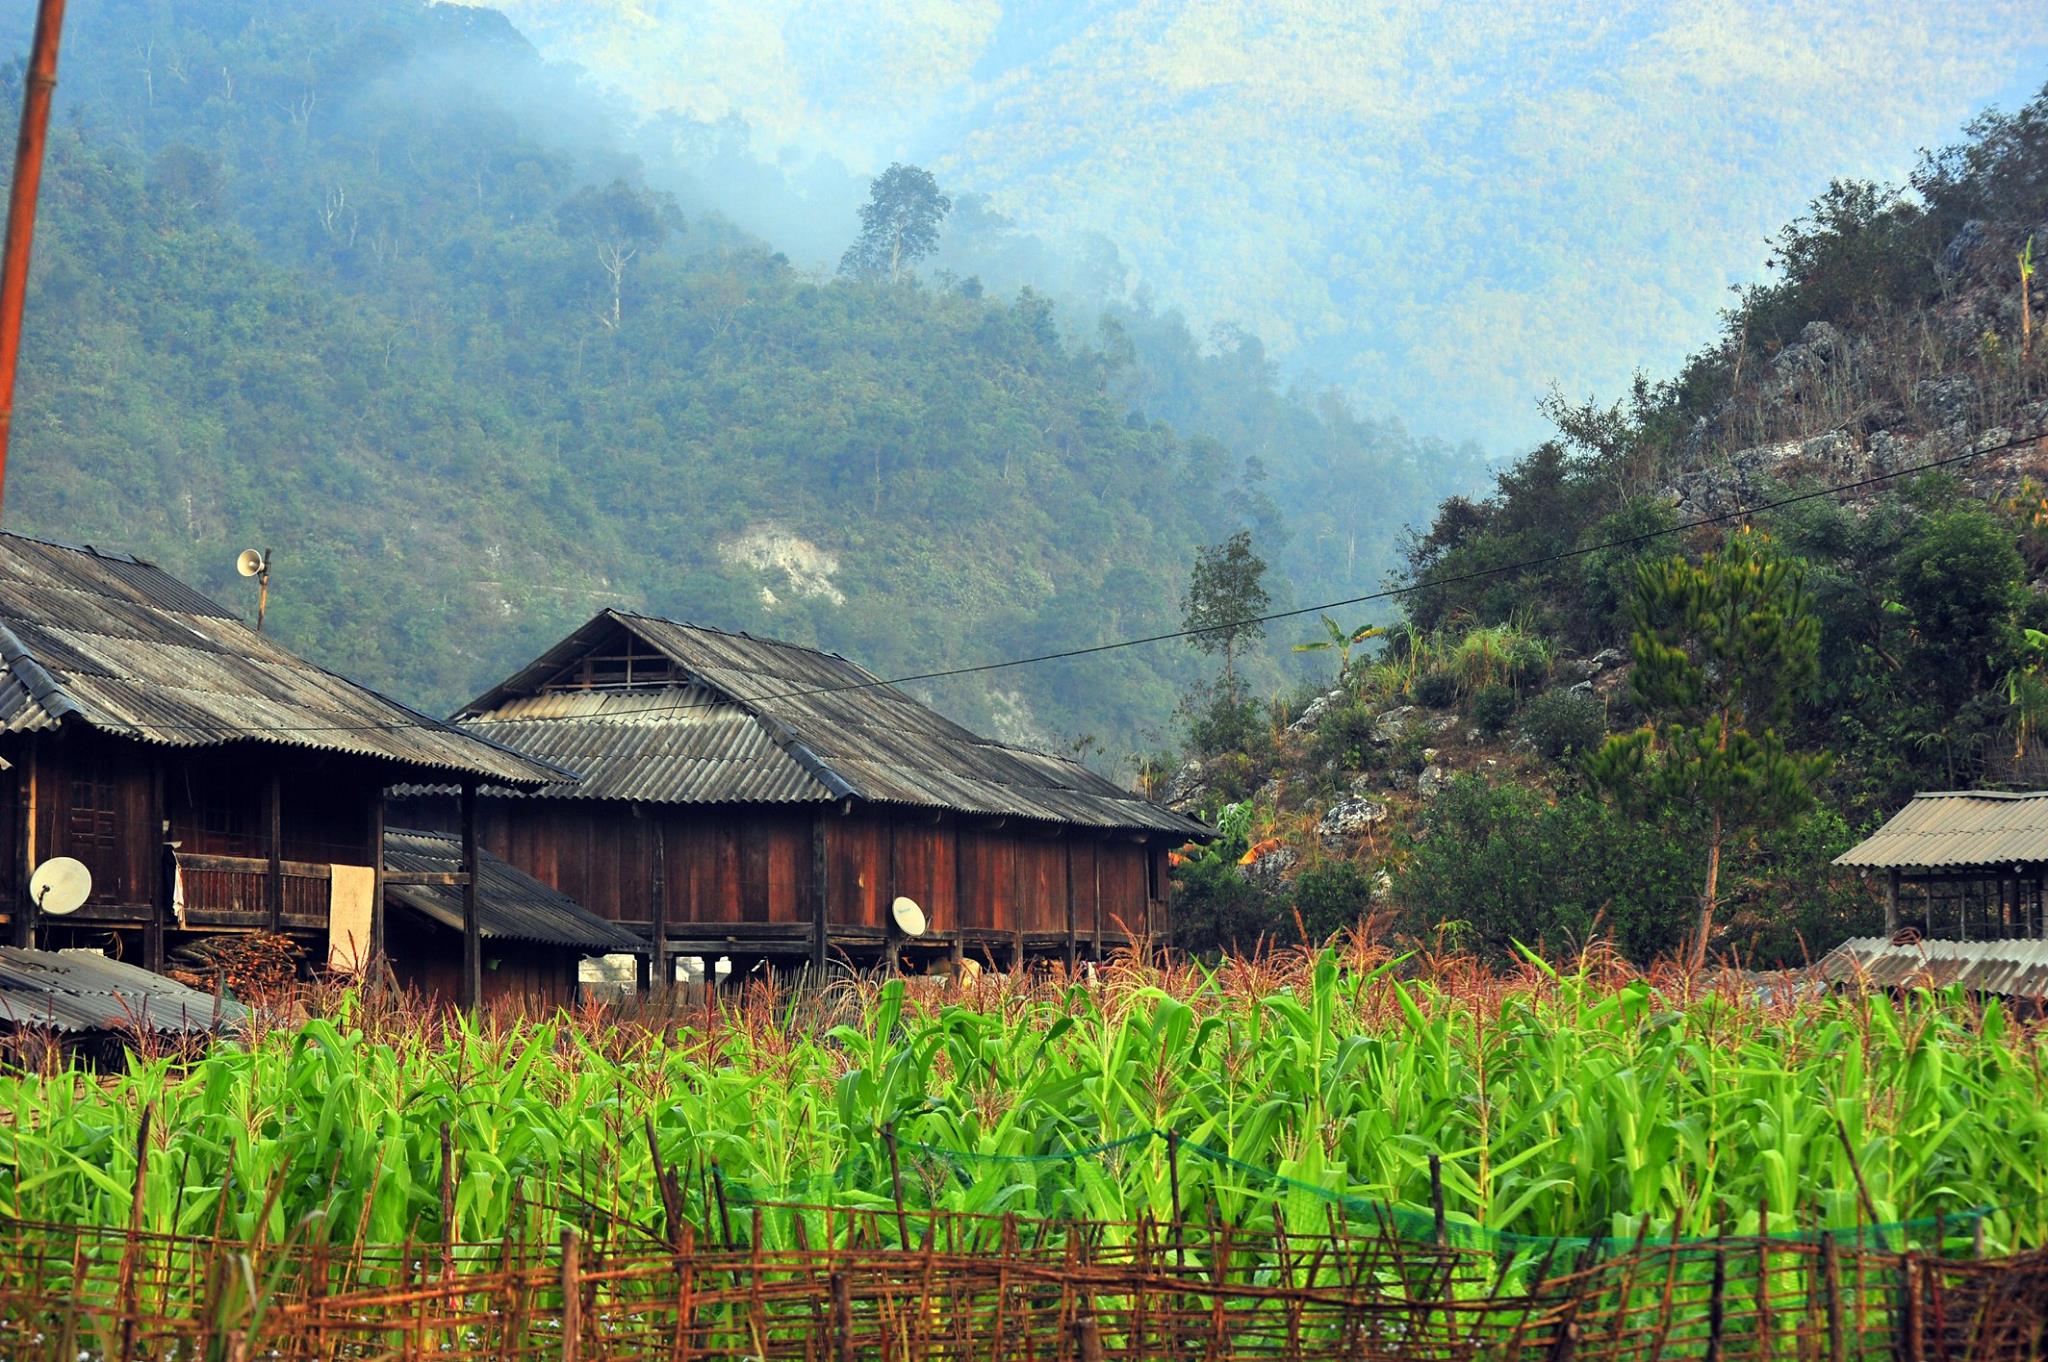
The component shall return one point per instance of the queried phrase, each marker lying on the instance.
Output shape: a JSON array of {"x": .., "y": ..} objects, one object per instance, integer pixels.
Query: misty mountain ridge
[
  {"x": 1393, "y": 197},
  {"x": 379, "y": 289}
]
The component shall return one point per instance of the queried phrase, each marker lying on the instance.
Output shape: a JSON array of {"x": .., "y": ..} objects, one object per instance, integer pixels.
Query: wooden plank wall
[{"x": 753, "y": 865}]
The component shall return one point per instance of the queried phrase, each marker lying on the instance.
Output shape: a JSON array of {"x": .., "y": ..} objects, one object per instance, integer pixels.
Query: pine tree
[{"x": 1723, "y": 648}]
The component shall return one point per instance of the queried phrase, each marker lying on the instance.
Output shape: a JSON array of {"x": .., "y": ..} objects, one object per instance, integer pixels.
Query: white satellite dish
[
  {"x": 250, "y": 563},
  {"x": 60, "y": 885},
  {"x": 909, "y": 917}
]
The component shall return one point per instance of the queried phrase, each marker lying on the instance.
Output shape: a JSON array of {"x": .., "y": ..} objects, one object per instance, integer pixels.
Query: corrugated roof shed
[
  {"x": 755, "y": 721},
  {"x": 511, "y": 905},
  {"x": 2017, "y": 969},
  {"x": 1958, "y": 830},
  {"x": 78, "y": 991},
  {"x": 121, "y": 646}
]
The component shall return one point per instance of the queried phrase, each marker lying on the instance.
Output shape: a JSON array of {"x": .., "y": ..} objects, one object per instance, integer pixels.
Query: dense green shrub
[
  {"x": 1344, "y": 733},
  {"x": 1493, "y": 707},
  {"x": 1791, "y": 904},
  {"x": 1959, "y": 578},
  {"x": 1513, "y": 868},
  {"x": 1560, "y": 724},
  {"x": 1217, "y": 908},
  {"x": 1436, "y": 690},
  {"x": 1331, "y": 897},
  {"x": 1218, "y": 724},
  {"x": 1499, "y": 655}
]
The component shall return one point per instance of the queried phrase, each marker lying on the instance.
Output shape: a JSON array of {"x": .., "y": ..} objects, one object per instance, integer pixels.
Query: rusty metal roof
[
  {"x": 751, "y": 720},
  {"x": 1958, "y": 829},
  {"x": 511, "y": 905},
  {"x": 85, "y": 991},
  {"x": 121, "y": 646},
  {"x": 2016, "y": 969}
]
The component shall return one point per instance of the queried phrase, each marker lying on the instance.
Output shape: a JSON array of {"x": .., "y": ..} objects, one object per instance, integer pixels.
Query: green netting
[{"x": 1043, "y": 1184}]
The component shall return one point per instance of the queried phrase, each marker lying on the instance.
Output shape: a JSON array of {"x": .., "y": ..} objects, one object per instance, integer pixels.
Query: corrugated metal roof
[
  {"x": 2016, "y": 969},
  {"x": 840, "y": 732},
  {"x": 121, "y": 646},
  {"x": 86, "y": 991},
  {"x": 1958, "y": 829},
  {"x": 510, "y": 906},
  {"x": 679, "y": 744}
]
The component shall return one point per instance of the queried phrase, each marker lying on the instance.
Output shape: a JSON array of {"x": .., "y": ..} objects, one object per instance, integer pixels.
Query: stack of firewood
[{"x": 250, "y": 966}]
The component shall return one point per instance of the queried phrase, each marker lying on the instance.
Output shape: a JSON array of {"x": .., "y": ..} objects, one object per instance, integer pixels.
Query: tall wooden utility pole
[{"x": 21, "y": 209}]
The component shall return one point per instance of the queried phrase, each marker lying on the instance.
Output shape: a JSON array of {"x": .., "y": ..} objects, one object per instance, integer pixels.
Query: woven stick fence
[{"x": 886, "y": 1283}]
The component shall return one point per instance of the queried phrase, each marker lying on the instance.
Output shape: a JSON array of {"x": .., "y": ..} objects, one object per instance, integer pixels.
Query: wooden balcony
[{"x": 234, "y": 891}]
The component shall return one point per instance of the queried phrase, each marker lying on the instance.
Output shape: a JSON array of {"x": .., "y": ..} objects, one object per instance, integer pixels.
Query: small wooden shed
[
  {"x": 1975, "y": 861},
  {"x": 741, "y": 797}
]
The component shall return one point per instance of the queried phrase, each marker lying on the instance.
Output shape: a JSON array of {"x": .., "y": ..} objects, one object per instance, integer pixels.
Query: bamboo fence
[{"x": 832, "y": 1284}]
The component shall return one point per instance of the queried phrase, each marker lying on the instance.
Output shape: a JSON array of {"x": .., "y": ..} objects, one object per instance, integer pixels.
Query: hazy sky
[{"x": 1445, "y": 208}]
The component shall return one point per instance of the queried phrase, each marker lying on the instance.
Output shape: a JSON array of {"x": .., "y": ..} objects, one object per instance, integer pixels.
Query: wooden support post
[
  {"x": 25, "y": 847},
  {"x": 1891, "y": 905},
  {"x": 1098, "y": 898},
  {"x": 661, "y": 974},
  {"x": 375, "y": 965},
  {"x": 472, "y": 929},
  {"x": 959, "y": 923},
  {"x": 166, "y": 868},
  {"x": 273, "y": 884},
  {"x": 1073, "y": 945},
  {"x": 821, "y": 896}
]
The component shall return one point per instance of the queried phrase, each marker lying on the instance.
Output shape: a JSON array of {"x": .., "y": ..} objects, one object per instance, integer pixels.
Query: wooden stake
[{"x": 572, "y": 1294}]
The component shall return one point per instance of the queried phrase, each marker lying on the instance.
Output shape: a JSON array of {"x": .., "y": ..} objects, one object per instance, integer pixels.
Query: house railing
[{"x": 234, "y": 891}]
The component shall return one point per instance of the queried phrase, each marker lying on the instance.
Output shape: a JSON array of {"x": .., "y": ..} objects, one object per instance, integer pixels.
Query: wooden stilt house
[
  {"x": 210, "y": 781},
  {"x": 761, "y": 801}
]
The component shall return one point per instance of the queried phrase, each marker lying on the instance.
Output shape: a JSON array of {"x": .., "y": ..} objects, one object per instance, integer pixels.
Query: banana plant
[{"x": 1341, "y": 641}]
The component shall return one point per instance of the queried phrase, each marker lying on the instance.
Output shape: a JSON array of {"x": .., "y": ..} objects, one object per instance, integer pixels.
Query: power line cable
[{"x": 1090, "y": 650}]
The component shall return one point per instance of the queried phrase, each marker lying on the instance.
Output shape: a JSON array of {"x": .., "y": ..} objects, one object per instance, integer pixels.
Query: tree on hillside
[
  {"x": 899, "y": 224},
  {"x": 621, "y": 223},
  {"x": 1226, "y": 591},
  {"x": 1723, "y": 648}
]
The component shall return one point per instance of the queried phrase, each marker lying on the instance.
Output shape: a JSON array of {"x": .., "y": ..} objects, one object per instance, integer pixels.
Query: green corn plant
[{"x": 1556, "y": 1104}]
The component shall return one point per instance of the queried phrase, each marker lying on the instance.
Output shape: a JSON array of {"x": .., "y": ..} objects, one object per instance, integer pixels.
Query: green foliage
[
  {"x": 1342, "y": 641},
  {"x": 899, "y": 224},
  {"x": 1637, "y": 532},
  {"x": 1218, "y": 722},
  {"x": 1959, "y": 578},
  {"x": 1559, "y": 724},
  {"x": 1507, "y": 654},
  {"x": 1343, "y": 737},
  {"x": 1608, "y": 1111},
  {"x": 1723, "y": 648},
  {"x": 1793, "y": 904},
  {"x": 1435, "y": 689},
  {"x": 1518, "y": 869},
  {"x": 1332, "y": 897},
  {"x": 1493, "y": 708},
  {"x": 1226, "y": 593}
]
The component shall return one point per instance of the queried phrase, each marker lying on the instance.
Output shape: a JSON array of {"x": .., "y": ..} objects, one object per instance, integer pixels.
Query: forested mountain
[
  {"x": 376, "y": 288},
  {"x": 1712, "y": 633}
]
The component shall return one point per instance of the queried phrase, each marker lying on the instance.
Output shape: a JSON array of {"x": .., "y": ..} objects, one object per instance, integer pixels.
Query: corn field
[{"x": 1481, "y": 1109}]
